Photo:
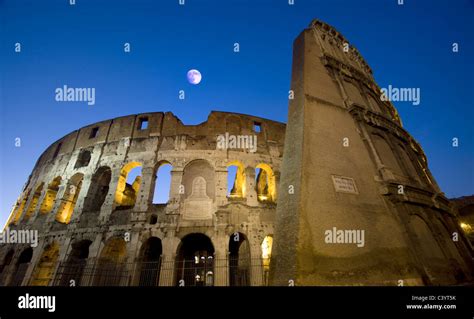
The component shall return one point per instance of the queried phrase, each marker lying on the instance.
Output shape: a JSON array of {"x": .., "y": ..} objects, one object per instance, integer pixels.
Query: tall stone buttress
[{"x": 350, "y": 168}]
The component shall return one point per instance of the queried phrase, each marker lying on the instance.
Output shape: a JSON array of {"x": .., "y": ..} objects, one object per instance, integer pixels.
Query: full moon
[{"x": 194, "y": 76}]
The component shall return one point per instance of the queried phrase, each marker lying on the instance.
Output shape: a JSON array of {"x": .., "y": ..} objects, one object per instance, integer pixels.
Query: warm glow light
[
  {"x": 262, "y": 197},
  {"x": 267, "y": 247},
  {"x": 466, "y": 227}
]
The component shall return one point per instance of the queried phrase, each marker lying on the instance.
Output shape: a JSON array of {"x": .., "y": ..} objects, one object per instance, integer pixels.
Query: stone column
[
  {"x": 250, "y": 186},
  {"x": 131, "y": 264},
  {"x": 38, "y": 206},
  {"x": 221, "y": 260},
  {"x": 221, "y": 185},
  {"x": 145, "y": 195},
  {"x": 170, "y": 245},
  {"x": 109, "y": 203},
  {"x": 175, "y": 196},
  {"x": 78, "y": 208},
  {"x": 37, "y": 252},
  {"x": 256, "y": 266},
  {"x": 57, "y": 203}
]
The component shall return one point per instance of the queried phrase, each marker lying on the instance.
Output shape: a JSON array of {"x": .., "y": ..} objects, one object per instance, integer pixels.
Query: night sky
[{"x": 83, "y": 46}]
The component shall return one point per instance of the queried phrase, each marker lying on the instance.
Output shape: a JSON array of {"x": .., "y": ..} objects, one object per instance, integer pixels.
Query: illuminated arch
[
  {"x": 265, "y": 183},
  {"x": 267, "y": 246},
  {"x": 110, "y": 269},
  {"x": 19, "y": 208},
  {"x": 45, "y": 268},
  {"x": 34, "y": 202},
  {"x": 236, "y": 183},
  {"x": 69, "y": 200},
  {"x": 126, "y": 194},
  {"x": 50, "y": 196}
]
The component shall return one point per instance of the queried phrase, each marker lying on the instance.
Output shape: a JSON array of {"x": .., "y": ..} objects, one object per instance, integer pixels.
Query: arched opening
[
  {"x": 374, "y": 104},
  {"x": 98, "y": 189},
  {"x": 20, "y": 208},
  {"x": 239, "y": 260},
  {"x": 128, "y": 186},
  {"x": 267, "y": 245},
  {"x": 235, "y": 180},
  {"x": 45, "y": 268},
  {"x": 434, "y": 260},
  {"x": 162, "y": 188},
  {"x": 110, "y": 266},
  {"x": 198, "y": 168},
  {"x": 386, "y": 155},
  {"x": 150, "y": 262},
  {"x": 83, "y": 159},
  {"x": 153, "y": 219},
  {"x": 456, "y": 260},
  {"x": 50, "y": 196},
  {"x": 195, "y": 261},
  {"x": 265, "y": 183},
  {"x": 21, "y": 267},
  {"x": 4, "y": 266},
  {"x": 34, "y": 202},
  {"x": 68, "y": 202},
  {"x": 73, "y": 269},
  {"x": 411, "y": 170}
]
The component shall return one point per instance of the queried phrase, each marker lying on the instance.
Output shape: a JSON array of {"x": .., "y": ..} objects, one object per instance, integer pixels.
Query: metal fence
[
  {"x": 14, "y": 277},
  {"x": 180, "y": 272}
]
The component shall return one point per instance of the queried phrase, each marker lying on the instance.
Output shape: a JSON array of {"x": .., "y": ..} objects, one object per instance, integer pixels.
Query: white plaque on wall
[{"x": 344, "y": 184}]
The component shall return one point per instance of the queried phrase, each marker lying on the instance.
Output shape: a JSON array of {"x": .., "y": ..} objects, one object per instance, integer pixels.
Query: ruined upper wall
[
  {"x": 161, "y": 124},
  {"x": 333, "y": 44}
]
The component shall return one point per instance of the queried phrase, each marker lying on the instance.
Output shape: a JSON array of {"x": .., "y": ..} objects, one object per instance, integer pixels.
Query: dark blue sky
[{"x": 82, "y": 46}]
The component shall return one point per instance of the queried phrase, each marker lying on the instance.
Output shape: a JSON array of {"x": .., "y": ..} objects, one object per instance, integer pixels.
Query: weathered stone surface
[{"x": 337, "y": 126}]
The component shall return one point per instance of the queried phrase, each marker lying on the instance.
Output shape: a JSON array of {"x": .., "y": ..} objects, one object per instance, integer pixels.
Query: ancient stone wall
[
  {"x": 354, "y": 169},
  {"x": 80, "y": 201}
]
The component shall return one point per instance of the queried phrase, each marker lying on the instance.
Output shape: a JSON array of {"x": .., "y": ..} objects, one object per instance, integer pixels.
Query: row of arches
[
  {"x": 194, "y": 265},
  {"x": 265, "y": 182},
  {"x": 129, "y": 184}
]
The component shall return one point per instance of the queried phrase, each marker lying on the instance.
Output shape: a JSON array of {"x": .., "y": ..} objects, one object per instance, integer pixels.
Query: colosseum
[{"x": 91, "y": 194}]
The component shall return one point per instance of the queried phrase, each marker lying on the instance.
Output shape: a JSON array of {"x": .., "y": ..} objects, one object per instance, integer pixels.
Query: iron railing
[{"x": 180, "y": 272}]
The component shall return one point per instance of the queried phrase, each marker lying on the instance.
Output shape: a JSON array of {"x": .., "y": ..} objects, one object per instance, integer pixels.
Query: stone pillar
[
  {"x": 167, "y": 273},
  {"x": 78, "y": 208},
  {"x": 38, "y": 206},
  {"x": 109, "y": 203},
  {"x": 131, "y": 261},
  {"x": 221, "y": 260},
  {"x": 334, "y": 186},
  {"x": 175, "y": 196},
  {"x": 251, "y": 192},
  {"x": 37, "y": 252},
  {"x": 221, "y": 186},
  {"x": 145, "y": 195},
  {"x": 57, "y": 203},
  {"x": 256, "y": 266}
]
